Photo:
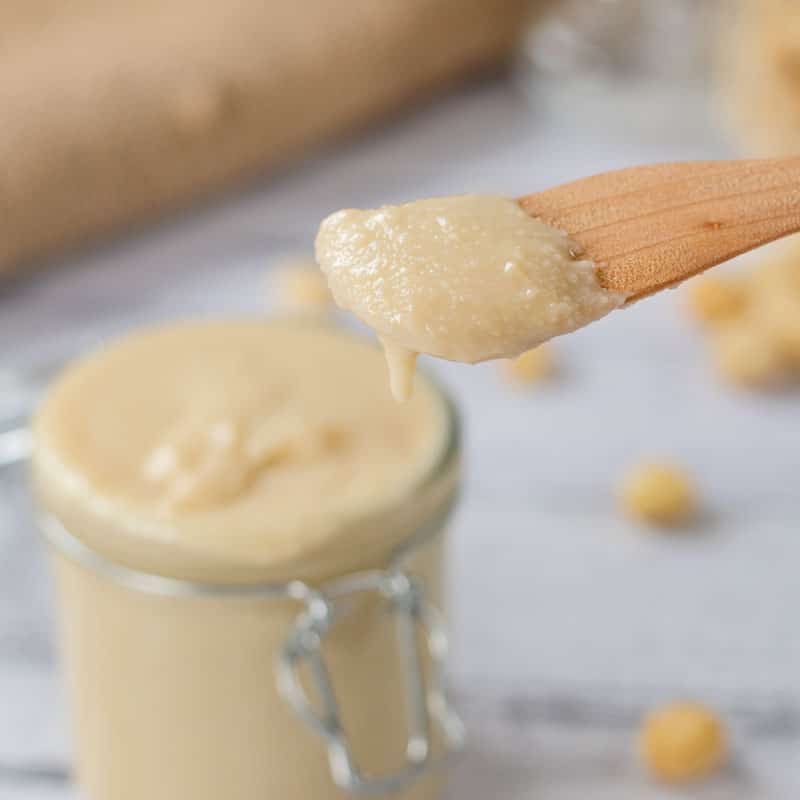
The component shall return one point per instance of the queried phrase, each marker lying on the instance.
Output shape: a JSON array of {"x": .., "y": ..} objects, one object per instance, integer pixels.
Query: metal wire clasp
[{"x": 427, "y": 705}]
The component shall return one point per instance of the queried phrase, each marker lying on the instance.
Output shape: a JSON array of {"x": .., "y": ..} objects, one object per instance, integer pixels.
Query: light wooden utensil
[{"x": 651, "y": 227}]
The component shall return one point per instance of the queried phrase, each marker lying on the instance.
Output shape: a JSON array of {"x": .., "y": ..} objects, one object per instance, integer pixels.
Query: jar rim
[{"x": 436, "y": 485}]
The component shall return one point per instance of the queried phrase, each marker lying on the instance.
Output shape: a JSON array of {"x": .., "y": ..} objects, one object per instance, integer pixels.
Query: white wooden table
[{"x": 569, "y": 622}]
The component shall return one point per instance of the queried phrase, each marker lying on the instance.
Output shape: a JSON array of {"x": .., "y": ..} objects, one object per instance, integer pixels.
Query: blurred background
[{"x": 161, "y": 160}]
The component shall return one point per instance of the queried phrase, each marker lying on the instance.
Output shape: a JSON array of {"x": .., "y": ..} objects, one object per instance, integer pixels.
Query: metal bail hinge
[{"x": 426, "y": 705}]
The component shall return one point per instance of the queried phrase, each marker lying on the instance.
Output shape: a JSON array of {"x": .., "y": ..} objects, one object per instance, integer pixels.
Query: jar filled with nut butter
[{"x": 246, "y": 534}]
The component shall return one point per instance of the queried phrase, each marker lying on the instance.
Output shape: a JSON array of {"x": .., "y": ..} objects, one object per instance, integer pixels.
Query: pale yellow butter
[
  {"x": 226, "y": 441},
  {"x": 466, "y": 278}
]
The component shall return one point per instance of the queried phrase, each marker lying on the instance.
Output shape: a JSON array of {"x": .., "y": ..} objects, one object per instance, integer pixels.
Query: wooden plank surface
[{"x": 568, "y": 622}]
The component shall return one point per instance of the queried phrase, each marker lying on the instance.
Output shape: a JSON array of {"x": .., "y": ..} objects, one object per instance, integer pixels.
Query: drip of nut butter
[{"x": 466, "y": 278}]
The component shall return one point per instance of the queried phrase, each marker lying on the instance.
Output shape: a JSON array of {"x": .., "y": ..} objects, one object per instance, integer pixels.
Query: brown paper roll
[{"x": 112, "y": 114}]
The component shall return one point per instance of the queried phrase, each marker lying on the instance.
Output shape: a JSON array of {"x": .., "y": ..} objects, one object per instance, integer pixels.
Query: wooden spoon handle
[{"x": 651, "y": 227}]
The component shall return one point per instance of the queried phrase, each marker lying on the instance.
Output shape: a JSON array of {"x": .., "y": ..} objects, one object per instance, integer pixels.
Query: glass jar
[
  {"x": 320, "y": 682},
  {"x": 624, "y": 68}
]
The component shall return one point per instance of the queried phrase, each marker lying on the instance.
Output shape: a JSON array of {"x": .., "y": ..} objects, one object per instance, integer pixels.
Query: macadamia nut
[{"x": 682, "y": 741}]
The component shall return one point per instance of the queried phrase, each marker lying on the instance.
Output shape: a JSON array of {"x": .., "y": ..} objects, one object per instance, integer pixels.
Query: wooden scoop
[{"x": 651, "y": 227}]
